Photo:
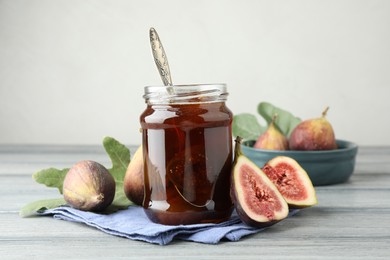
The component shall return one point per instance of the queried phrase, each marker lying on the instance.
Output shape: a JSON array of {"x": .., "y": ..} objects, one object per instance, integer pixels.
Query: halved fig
[
  {"x": 292, "y": 181},
  {"x": 257, "y": 200}
]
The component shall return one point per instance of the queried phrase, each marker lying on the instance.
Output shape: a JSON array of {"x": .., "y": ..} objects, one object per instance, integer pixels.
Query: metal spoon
[{"x": 160, "y": 58}]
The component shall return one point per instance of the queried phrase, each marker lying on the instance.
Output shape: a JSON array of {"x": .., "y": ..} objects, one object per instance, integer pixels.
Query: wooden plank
[{"x": 310, "y": 234}]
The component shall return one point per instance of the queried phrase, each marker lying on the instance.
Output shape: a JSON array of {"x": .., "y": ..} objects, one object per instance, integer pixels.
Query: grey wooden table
[{"x": 351, "y": 221}]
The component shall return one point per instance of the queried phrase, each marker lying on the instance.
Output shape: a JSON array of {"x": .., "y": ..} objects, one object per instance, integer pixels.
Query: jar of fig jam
[{"x": 187, "y": 145}]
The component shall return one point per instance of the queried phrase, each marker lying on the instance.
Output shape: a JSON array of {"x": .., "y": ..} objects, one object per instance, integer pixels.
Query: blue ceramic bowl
[{"x": 323, "y": 167}]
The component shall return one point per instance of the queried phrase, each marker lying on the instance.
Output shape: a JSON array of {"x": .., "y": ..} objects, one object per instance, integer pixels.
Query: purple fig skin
[
  {"x": 292, "y": 181},
  {"x": 272, "y": 139},
  {"x": 134, "y": 179},
  {"x": 257, "y": 201},
  {"x": 89, "y": 186},
  {"x": 313, "y": 134}
]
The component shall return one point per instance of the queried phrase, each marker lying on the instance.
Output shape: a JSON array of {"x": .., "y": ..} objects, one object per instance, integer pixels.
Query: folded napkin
[{"x": 133, "y": 224}]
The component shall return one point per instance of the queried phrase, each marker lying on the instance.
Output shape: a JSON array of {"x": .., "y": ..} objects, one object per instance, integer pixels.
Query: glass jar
[{"x": 187, "y": 145}]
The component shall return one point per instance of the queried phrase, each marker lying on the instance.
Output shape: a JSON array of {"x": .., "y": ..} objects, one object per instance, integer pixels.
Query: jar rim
[
  {"x": 187, "y": 87},
  {"x": 189, "y": 93}
]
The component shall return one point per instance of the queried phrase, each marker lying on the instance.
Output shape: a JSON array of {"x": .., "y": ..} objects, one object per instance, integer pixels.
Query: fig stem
[
  {"x": 237, "y": 148},
  {"x": 325, "y": 111},
  {"x": 274, "y": 118}
]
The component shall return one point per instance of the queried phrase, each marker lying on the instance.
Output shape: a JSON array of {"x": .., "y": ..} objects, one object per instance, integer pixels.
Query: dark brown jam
[{"x": 188, "y": 160}]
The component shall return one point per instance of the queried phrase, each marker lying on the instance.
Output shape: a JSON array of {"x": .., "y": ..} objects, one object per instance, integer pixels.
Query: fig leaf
[
  {"x": 120, "y": 199},
  {"x": 246, "y": 126},
  {"x": 120, "y": 158},
  {"x": 51, "y": 177},
  {"x": 285, "y": 121},
  {"x": 39, "y": 206}
]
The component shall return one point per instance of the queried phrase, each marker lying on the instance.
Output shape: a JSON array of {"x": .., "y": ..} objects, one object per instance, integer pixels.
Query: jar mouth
[{"x": 190, "y": 93}]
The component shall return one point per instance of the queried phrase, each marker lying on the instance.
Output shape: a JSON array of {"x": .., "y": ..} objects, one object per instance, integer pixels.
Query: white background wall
[{"x": 72, "y": 71}]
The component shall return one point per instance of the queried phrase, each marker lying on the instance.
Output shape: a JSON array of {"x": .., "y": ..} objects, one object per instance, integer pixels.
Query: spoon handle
[{"x": 160, "y": 58}]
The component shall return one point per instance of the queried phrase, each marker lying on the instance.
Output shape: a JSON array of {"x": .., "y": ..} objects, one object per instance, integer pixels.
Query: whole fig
[
  {"x": 89, "y": 186},
  {"x": 272, "y": 138},
  {"x": 257, "y": 201},
  {"x": 313, "y": 134},
  {"x": 134, "y": 178}
]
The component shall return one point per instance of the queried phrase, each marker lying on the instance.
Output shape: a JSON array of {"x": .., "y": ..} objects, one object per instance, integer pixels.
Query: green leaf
[
  {"x": 120, "y": 158},
  {"x": 51, "y": 177},
  {"x": 39, "y": 206},
  {"x": 120, "y": 199},
  {"x": 246, "y": 126},
  {"x": 285, "y": 121}
]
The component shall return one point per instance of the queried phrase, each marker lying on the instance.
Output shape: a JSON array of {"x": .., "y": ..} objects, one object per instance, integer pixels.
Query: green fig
[
  {"x": 272, "y": 138},
  {"x": 89, "y": 186},
  {"x": 313, "y": 134},
  {"x": 134, "y": 179}
]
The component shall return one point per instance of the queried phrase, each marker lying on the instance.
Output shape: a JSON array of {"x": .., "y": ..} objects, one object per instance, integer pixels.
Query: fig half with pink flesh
[
  {"x": 257, "y": 200},
  {"x": 292, "y": 181}
]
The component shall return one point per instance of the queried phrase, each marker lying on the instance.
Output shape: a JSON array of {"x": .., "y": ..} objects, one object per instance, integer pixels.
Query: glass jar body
[{"x": 187, "y": 161}]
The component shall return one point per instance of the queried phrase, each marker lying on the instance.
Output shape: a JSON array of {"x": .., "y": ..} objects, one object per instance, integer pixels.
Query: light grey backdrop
[{"x": 72, "y": 72}]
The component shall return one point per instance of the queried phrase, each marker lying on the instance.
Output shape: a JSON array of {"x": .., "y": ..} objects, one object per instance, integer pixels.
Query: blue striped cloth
[{"x": 133, "y": 224}]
